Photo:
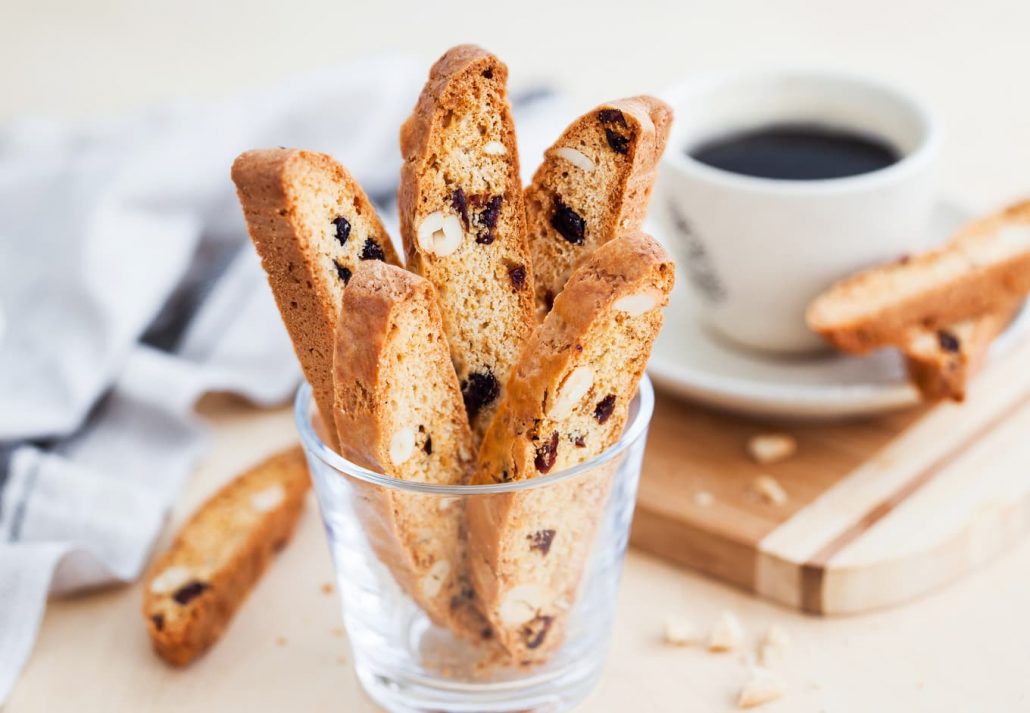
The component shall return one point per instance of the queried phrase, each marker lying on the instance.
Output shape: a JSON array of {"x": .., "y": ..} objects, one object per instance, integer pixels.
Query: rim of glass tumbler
[{"x": 313, "y": 444}]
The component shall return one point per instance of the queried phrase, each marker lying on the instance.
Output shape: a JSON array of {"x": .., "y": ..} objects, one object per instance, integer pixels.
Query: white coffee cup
[{"x": 757, "y": 250}]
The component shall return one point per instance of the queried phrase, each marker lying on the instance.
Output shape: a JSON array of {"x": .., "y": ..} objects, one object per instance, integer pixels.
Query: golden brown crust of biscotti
[
  {"x": 595, "y": 183},
  {"x": 567, "y": 402},
  {"x": 461, "y": 171},
  {"x": 399, "y": 412},
  {"x": 982, "y": 268},
  {"x": 193, "y": 590},
  {"x": 290, "y": 199},
  {"x": 940, "y": 362}
]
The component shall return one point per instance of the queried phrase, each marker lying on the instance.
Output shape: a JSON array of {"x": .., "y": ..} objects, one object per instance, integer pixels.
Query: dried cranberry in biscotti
[
  {"x": 460, "y": 206},
  {"x": 517, "y": 275},
  {"x": 948, "y": 341},
  {"x": 615, "y": 128},
  {"x": 547, "y": 454},
  {"x": 541, "y": 540},
  {"x": 372, "y": 250},
  {"x": 479, "y": 390},
  {"x": 487, "y": 220},
  {"x": 604, "y": 408},
  {"x": 344, "y": 273},
  {"x": 569, "y": 224},
  {"x": 536, "y": 630},
  {"x": 342, "y": 229},
  {"x": 188, "y": 592}
]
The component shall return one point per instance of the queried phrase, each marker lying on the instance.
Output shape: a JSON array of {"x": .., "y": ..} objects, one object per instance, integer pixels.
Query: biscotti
[
  {"x": 312, "y": 225},
  {"x": 399, "y": 412},
  {"x": 940, "y": 362},
  {"x": 985, "y": 266},
  {"x": 595, "y": 183},
  {"x": 567, "y": 402},
  {"x": 463, "y": 222},
  {"x": 195, "y": 588}
]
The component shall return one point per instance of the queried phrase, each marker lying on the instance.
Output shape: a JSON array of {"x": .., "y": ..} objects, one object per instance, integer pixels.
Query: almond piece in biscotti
[
  {"x": 567, "y": 402},
  {"x": 463, "y": 222},
  {"x": 312, "y": 225},
  {"x": 399, "y": 412},
  {"x": 594, "y": 183},
  {"x": 193, "y": 590}
]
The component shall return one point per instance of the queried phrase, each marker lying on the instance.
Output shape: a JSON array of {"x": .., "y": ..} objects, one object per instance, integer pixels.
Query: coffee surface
[{"x": 797, "y": 152}]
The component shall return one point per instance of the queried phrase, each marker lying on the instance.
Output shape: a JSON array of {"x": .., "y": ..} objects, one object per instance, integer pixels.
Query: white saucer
[{"x": 691, "y": 362}]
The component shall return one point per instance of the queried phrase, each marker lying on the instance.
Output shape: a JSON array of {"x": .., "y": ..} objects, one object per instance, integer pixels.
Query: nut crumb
[
  {"x": 770, "y": 490},
  {"x": 679, "y": 632},
  {"x": 280, "y": 641},
  {"x": 337, "y": 631},
  {"x": 769, "y": 448},
  {"x": 763, "y": 687},
  {"x": 341, "y": 660},
  {"x": 704, "y": 499},
  {"x": 726, "y": 633},
  {"x": 327, "y": 588},
  {"x": 773, "y": 646}
]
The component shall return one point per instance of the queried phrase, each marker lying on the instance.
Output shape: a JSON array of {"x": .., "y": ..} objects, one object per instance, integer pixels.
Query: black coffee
[{"x": 797, "y": 152}]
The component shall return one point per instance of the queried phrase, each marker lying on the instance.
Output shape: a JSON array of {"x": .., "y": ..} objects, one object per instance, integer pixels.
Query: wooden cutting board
[{"x": 880, "y": 511}]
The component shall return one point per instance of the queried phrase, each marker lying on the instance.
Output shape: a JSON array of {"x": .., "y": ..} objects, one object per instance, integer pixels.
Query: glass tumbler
[{"x": 575, "y": 531}]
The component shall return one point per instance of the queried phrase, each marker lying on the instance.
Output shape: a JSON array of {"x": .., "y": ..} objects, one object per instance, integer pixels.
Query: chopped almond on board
[
  {"x": 763, "y": 687},
  {"x": 769, "y": 448},
  {"x": 703, "y": 499},
  {"x": 679, "y": 632},
  {"x": 726, "y": 634},
  {"x": 770, "y": 490}
]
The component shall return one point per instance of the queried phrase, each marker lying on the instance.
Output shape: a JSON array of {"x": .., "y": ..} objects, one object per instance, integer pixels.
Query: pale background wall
[{"x": 969, "y": 59}]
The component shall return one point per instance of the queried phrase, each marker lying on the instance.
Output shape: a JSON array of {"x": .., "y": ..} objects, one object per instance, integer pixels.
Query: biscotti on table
[{"x": 193, "y": 590}]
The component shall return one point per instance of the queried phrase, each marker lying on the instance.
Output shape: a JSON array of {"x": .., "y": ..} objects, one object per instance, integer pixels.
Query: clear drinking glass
[{"x": 408, "y": 663}]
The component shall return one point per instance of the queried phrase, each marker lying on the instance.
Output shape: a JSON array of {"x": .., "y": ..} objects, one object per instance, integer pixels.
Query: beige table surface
[{"x": 964, "y": 649}]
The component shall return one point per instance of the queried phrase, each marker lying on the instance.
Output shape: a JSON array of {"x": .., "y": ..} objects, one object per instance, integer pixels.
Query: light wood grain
[{"x": 879, "y": 511}]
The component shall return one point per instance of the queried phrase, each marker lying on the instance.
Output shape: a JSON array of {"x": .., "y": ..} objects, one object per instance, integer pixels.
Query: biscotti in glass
[{"x": 562, "y": 616}]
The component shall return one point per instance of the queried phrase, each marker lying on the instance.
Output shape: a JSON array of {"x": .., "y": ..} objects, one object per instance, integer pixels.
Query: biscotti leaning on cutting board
[
  {"x": 594, "y": 183},
  {"x": 193, "y": 590},
  {"x": 312, "y": 225},
  {"x": 399, "y": 412},
  {"x": 985, "y": 265},
  {"x": 942, "y": 308},
  {"x": 567, "y": 402},
  {"x": 463, "y": 222}
]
